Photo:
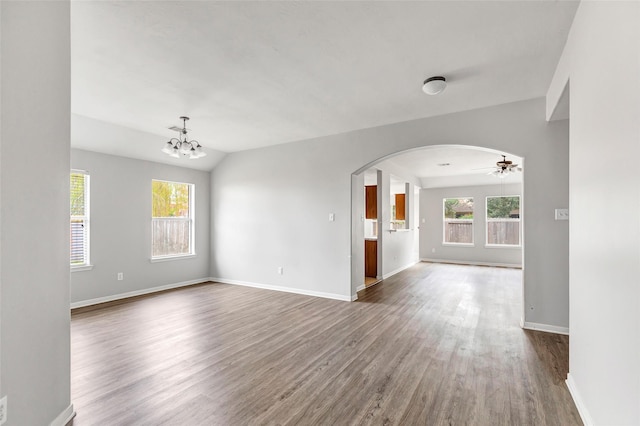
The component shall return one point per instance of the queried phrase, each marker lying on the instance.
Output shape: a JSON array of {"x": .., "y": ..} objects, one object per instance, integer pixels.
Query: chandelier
[{"x": 182, "y": 146}]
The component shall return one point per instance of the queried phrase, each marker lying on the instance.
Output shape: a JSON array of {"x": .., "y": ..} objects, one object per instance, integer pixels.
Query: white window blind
[
  {"x": 172, "y": 222},
  {"x": 79, "y": 218}
]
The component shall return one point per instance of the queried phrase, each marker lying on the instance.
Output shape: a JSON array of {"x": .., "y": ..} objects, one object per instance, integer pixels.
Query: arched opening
[{"x": 437, "y": 185}]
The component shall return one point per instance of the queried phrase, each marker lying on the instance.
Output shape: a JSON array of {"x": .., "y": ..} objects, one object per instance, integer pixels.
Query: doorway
[{"x": 432, "y": 175}]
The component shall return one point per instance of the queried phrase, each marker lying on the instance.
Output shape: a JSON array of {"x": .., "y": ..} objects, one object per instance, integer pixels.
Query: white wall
[
  {"x": 34, "y": 201},
  {"x": 395, "y": 248},
  {"x": 602, "y": 62},
  {"x": 120, "y": 225},
  {"x": 431, "y": 232},
  {"x": 270, "y": 206}
]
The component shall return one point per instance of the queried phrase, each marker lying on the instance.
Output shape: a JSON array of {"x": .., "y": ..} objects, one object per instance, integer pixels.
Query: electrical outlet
[
  {"x": 120, "y": 276},
  {"x": 3, "y": 410}
]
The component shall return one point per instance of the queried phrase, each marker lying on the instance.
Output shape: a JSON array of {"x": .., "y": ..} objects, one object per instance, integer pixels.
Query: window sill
[
  {"x": 170, "y": 258},
  {"x": 459, "y": 244},
  {"x": 502, "y": 246},
  {"x": 81, "y": 268}
]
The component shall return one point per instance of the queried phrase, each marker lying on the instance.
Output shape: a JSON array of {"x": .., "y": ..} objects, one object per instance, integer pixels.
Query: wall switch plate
[
  {"x": 332, "y": 217},
  {"x": 280, "y": 270},
  {"x": 120, "y": 276},
  {"x": 3, "y": 410},
  {"x": 562, "y": 214}
]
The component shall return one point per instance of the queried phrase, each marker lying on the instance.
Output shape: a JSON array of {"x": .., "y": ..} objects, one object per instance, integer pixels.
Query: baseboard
[
  {"x": 360, "y": 287},
  {"x": 64, "y": 417},
  {"x": 468, "y": 262},
  {"x": 546, "y": 327},
  {"x": 577, "y": 399},
  {"x": 354, "y": 297},
  {"x": 111, "y": 298},
  {"x": 407, "y": 266},
  {"x": 284, "y": 289}
]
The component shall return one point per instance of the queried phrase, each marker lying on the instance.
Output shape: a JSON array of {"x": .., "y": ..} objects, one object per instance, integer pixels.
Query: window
[
  {"x": 458, "y": 220},
  {"x": 79, "y": 219},
  {"x": 503, "y": 221},
  {"x": 172, "y": 219}
]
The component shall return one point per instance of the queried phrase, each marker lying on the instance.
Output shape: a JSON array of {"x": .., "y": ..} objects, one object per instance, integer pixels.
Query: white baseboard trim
[
  {"x": 577, "y": 399},
  {"x": 111, "y": 298},
  {"x": 354, "y": 297},
  {"x": 64, "y": 417},
  {"x": 545, "y": 327},
  {"x": 468, "y": 262},
  {"x": 284, "y": 289},
  {"x": 360, "y": 288},
  {"x": 407, "y": 266}
]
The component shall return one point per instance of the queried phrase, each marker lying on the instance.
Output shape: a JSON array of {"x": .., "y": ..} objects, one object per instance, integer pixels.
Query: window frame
[
  {"x": 86, "y": 223},
  {"x": 445, "y": 219},
  {"x": 190, "y": 219},
  {"x": 488, "y": 220}
]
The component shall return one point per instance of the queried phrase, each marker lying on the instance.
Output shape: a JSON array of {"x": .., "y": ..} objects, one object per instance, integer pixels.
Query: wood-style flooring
[
  {"x": 433, "y": 345},
  {"x": 369, "y": 281}
]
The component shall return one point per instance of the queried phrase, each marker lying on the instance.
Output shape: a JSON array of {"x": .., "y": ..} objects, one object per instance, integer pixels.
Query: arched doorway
[{"x": 430, "y": 178}]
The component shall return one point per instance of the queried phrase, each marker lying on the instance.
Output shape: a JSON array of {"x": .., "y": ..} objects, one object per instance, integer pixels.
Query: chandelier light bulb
[
  {"x": 175, "y": 152},
  {"x": 200, "y": 152},
  {"x": 193, "y": 155},
  {"x": 168, "y": 147}
]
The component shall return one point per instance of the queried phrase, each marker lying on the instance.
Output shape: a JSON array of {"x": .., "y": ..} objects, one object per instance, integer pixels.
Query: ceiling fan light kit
[
  {"x": 501, "y": 174},
  {"x": 434, "y": 85},
  {"x": 504, "y": 167},
  {"x": 181, "y": 145}
]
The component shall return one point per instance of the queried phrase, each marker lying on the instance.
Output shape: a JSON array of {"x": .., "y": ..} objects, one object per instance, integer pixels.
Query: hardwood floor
[
  {"x": 369, "y": 281},
  {"x": 435, "y": 344}
]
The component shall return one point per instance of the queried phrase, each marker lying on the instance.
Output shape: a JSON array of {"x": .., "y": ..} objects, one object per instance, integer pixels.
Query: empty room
[{"x": 358, "y": 212}]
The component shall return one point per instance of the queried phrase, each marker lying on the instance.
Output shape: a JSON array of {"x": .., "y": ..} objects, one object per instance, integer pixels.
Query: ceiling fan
[
  {"x": 505, "y": 164},
  {"x": 503, "y": 168}
]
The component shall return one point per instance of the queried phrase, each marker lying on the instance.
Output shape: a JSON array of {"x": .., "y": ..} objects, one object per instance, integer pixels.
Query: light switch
[
  {"x": 332, "y": 217},
  {"x": 562, "y": 214}
]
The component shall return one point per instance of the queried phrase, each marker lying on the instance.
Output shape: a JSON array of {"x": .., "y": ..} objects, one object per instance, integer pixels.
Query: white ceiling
[
  {"x": 252, "y": 74},
  {"x": 466, "y": 166}
]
